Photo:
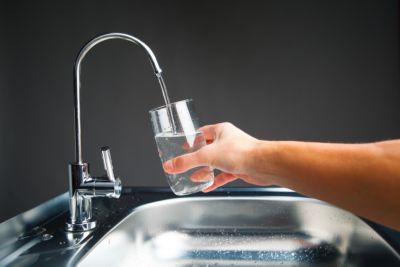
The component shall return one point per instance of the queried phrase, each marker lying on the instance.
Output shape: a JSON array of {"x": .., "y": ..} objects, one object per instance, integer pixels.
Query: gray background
[{"x": 303, "y": 70}]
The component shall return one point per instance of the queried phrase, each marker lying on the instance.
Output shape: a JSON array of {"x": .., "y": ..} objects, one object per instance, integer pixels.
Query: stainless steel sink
[{"x": 241, "y": 231}]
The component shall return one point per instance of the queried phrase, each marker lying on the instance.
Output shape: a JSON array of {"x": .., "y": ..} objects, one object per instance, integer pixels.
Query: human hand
[{"x": 229, "y": 150}]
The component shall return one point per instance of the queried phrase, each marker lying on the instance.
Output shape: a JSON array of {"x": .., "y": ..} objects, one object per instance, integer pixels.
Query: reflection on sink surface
[{"x": 241, "y": 231}]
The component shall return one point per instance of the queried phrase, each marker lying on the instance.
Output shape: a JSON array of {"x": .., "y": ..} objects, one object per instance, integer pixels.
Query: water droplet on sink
[{"x": 46, "y": 237}]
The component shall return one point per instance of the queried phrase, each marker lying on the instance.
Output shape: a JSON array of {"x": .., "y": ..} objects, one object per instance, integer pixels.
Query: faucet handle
[{"x": 107, "y": 162}]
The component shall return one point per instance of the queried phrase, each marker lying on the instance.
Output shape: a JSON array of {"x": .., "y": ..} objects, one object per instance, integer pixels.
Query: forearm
[{"x": 362, "y": 178}]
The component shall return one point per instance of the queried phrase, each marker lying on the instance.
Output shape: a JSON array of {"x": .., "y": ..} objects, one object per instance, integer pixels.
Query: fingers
[
  {"x": 209, "y": 132},
  {"x": 198, "y": 141},
  {"x": 202, "y": 174},
  {"x": 220, "y": 180},
  {"x": 202, "y": 157},
  {"x": 208, "y": 136},
  {"x": 186, "y": 162}
]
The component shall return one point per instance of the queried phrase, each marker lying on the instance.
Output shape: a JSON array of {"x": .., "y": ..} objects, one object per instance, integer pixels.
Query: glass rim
[{"x": 170, "y": 105}]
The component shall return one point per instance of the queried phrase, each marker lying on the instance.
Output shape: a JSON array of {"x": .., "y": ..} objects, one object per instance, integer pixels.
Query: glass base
[{"x": 193, "y": 189}]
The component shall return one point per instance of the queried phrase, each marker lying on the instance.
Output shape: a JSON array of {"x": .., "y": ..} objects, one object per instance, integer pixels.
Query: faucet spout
[
  {"x": 82, "y": 186},
  {"x": 77, "y": 78}
]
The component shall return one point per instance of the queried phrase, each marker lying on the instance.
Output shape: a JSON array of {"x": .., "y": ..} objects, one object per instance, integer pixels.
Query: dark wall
[
  {"x": 303, "y": 70},
  {"x": 2, "y": 109}
]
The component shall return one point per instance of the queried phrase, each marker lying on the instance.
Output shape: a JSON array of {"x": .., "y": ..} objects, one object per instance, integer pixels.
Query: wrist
[{"x": 262, "y": 159}]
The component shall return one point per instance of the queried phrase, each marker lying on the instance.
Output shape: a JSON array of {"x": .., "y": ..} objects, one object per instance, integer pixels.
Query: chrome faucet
[{"x": 82, "y": 186}]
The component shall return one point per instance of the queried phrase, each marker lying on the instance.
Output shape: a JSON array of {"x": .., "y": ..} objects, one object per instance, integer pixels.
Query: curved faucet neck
[{"x": 77, "y": 79}]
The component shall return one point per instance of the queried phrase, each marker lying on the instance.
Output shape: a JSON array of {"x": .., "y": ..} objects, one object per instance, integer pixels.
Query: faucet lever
[{"x": 107, "y": 162}]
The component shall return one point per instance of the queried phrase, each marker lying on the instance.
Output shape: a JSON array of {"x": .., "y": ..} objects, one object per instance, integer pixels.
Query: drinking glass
[{"x": 176, "y": 133}]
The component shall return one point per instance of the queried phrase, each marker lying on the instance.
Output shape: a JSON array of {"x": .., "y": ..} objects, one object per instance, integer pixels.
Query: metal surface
[
  {"x": 82, "y": 186},
  {"x": 77, "y": 78},
  {"x": 241, "y": 231},
  {"x": 107, "y": 162},
  {"x": 227, "y": 227},
  {"x": 26, "y": 230}
]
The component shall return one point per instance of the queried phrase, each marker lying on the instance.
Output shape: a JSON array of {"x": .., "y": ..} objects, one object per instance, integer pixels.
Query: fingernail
[
  {"x": 198, "y": 176},
  {"x": 194, "y": 176},
  {"x": 168, "y": 167}
]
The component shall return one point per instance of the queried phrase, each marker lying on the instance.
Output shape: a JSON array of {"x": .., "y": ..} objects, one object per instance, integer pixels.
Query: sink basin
[{"x": 241, "y": 231}]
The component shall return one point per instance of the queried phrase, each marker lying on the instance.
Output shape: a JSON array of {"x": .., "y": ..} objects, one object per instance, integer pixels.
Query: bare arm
[{"x": 362, "y": 178}]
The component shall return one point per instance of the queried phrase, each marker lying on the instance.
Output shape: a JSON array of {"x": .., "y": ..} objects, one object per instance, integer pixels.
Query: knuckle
[
  {"x": 203, "y": 155},
  {"x": 225, "y": 125},
  {"x": 178, "y": 162}
]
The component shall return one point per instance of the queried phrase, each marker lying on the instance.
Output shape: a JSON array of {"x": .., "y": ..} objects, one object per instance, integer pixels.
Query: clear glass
[{"x": 176, "y": 133}]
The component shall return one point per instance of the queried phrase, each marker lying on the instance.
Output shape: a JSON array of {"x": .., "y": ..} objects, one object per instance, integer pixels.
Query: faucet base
[{"x": 80, "y": 227}]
